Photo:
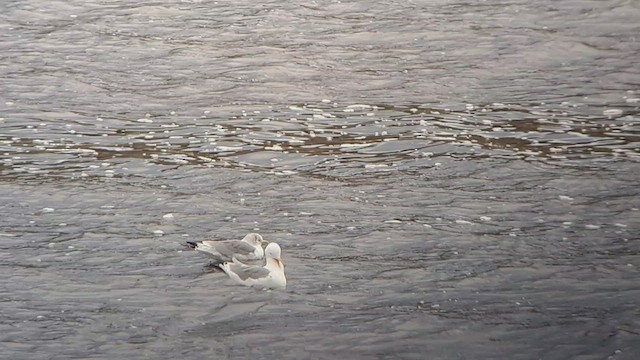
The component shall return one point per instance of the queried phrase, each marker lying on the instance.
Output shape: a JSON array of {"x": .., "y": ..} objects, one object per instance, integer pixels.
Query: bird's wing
[
  {"x": 249, "y": 272},
  {"x": 229, "y": 248}
]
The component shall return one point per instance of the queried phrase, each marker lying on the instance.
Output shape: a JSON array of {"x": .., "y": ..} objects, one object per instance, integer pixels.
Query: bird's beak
[
  {"x": 279, "y": 261},
  {"x": 264, "y": 242}
]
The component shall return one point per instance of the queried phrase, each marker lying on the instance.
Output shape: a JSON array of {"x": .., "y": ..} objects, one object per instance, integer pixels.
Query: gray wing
[
  {"x": 249, "y": 272},
  {"x": 230, "y": 248}
]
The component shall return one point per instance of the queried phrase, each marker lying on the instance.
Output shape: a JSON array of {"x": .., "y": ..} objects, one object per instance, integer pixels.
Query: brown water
[{"x": 447, "y": 180}]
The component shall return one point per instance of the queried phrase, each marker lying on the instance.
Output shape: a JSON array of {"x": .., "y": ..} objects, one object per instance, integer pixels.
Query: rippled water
[{"x": 447, "y": 179}]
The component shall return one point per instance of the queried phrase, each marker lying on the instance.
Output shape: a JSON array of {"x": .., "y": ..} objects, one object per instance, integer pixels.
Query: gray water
[{"x": 447, "y": 179}]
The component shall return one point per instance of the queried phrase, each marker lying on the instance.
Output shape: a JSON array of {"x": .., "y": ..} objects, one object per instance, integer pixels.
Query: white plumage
[{"x": 270, "y": 276}]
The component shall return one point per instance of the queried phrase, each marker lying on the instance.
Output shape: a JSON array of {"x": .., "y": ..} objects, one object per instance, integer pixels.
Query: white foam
[
  {"x": 354, "y": 145},
  {"x": 610, "y": 113},
  {"x": 275, "y": 147}
]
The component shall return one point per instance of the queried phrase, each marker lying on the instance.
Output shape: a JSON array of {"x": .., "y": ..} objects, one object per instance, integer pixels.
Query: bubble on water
[
  {"x": 355, "y": 145},
  {"x": 48, "y": 209},
  {"x": 144, "y": 120},
  {"x": 359, "y": 106},
  {"x": 485, "y": 218},
  {"x": 564, "y": 197},
  {"x": 463, "y": 222},
  {"x": 274, "y": 147},
  {"x": 158, "y": 232},
  {"x": 375, "y": 166},
  {"x": 285, "y": 172},
  {"x": 611, "y": 113},
  {"x": 393, "y": 221},
  {"x": 592, "y": 227},
  {"x": 168, "y": 216},
  {"x": 620, "y": 225}
]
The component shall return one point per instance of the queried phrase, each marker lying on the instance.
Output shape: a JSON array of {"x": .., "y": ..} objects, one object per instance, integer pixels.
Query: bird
[
  {"x": 249, "y": 248},
  {"x": 270, "y": 276}
]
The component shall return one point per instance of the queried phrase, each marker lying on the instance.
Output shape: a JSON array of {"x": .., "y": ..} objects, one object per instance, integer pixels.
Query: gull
[
  {"x": 249, "y": 248},
  {"x": 271, "y": 276}
]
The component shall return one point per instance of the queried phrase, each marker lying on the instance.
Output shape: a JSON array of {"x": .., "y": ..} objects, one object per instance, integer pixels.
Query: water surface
[{"x": 448, "y": 180}]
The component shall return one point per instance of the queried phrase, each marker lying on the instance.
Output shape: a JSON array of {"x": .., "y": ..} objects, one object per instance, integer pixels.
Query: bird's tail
[
  {"x": 213, "y": 266},
  {"x": 192, "y": 244},
  {"x": 224, "y": 267}
]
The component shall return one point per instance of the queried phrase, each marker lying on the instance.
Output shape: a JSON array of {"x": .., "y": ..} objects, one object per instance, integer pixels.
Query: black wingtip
[{"x": 192, "y": 244}]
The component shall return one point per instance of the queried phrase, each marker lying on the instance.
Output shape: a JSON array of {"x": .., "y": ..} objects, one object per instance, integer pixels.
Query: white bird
[
  {"x": 271, "y": 276},
  {"x": 249, "y": 248}
]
